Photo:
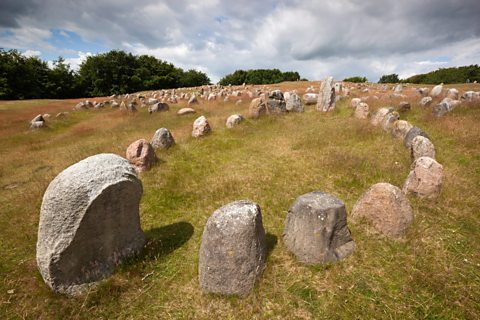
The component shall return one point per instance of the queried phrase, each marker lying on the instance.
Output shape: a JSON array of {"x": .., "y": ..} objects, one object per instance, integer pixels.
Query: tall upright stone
[
  {"x": 233, "y": 249},
  {"x": 89, "y": 223},
  {"x": 326, "y": 97},
  {"x": 316, "y": 229}
]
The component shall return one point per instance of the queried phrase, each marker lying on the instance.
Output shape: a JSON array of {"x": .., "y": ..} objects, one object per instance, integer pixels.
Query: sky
[{"x": 341, "y": 38}]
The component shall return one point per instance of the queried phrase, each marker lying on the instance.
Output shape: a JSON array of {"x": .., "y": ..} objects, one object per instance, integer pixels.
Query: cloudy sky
[{"x": 316, "y": 38}]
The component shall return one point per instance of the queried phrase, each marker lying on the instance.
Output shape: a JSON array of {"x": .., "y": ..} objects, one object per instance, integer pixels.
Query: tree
[
  {"x": 356, "y": 79},
  {"x": 259, "y": 76},
  {"x": 389, "y": 78}
]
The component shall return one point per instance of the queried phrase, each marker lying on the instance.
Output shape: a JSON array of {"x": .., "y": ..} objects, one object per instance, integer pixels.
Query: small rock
[
  {"x": 361, "y": 111},
  {"x": 162, "y": 139},
  {"x": 141, "y": 155},
  {"x": 310, "y": 98},
  {"x": 185, "y": 111},
  {"x": 425, "y": 178},
  {"x": 354, "y": 102},
  {"x": 200, "y": 127},
  {"x": 193, "y": 100},
  {"x": 233, "y": 120},
  {"x": 316, "y": 229},
  {"x": 436, "y": 91},
  {"x": 404, "y": 106},
  {"x": 400, "y": 129},
  {"x": 426, "y": 101},
  {"x": 158, "y": 107}
]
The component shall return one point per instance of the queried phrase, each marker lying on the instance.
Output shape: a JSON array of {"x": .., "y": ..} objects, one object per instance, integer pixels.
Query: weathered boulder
[
  {"x": 38, "y": 122},
  {"x": 441, "y": 109},
  {"x": 193, "y": 100},
  {"x": 89, "y": 222},
  {"x": 316, "y": 229},
  {"x": 83, "y": 105},
  {"x": 426, "y": 101},
  {"x": 362, "y": 111},
  {"x": 398, "y": 88},
  {"x": 257, "y": 108},
  {"x": 412, "y": 133},
  {"x": 294, "y": 103},
  {"x": 233, "y": 249},
  {"x": 425, "y": 178},
  {"x": 185, "y": 111},
  {"x": 326, "y": 96},
  {"x": 452, "y": 94},
  {"x": 404, "y": 106},
  {"x": 158, "y": 107},
  {"x": 422, "y": 147},
  {"x": 386, "y": 208},
  {"x": 389, "y": 119},
  {"x": 276, "y": 103},
  {"x": 233, "y": 120},
  {"x": 200, "y": 127},
  {"x": 400, "y": 129},
  {"x": 354, "y": 102},
  {"x": 141, "y": 155},
  {"x": 162, "y": 139},
  {"x": 310, "y": 98},
  {"x": 436, "y": 91},
  {"x": 378, "y": 116}
]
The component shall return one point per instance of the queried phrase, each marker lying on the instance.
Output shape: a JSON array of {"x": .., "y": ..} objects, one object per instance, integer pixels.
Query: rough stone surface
[
  {"x": 257, "y": 108},
  {"x": 294, "y": 103},
  {"x": 422, "y": 147},
  {"x": 276, "y": 103},
  {"x": 386, "y": 208},
  {"x": 38, "y": 122},
  {"x": 89, "y": 222},
  {"x": 412, "y": 133},
  {"x": 378, "y": 117},
  {"x": 425, "y": 178},
  {"x": 233, "y": 249},
  {"x": 404, "y": 106},
  {"x": 355, "y": 102},
  {"x": 361, "y": 111},
  {"x": 316, "y": 229},
  {"x": 233, "y": 120},
  {"x": 158, "y": 107},
  {"x": 141, "y": 155},
  {"x": 200, "y": 127},
  {"x": 389, "y": 119},
  {"x": 400, "y": 129},
  {"x": 437, "y": 90},
  {"x": 326, "y": 97},
  {"x": 184, "y": 111},
  {"x": 310, "y": 98},
  {"x": 162, "y": 139},
  {"x": 426, "y": 101},
  {"x": 193, "y": 100}
]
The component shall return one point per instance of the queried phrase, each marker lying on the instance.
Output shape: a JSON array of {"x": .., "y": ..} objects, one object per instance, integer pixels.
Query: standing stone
[
  {"x": 200, "y": 127},
  {"x": 316, "y": 229},
  {"x": 398, "y": 88},
  {"x": 338, "y": 87},
  {"x": 422, "y": 147},
  {"x": 38, "y": 122},
  {"x": 276, "y": 103},
  {"x": 436, "y": 91},
  {"x": 389, "y": 119},
  {"x": 386, "y": 208},
  {"x": 89, "y": 223},
  {"x": 193, "y": 100},
  {"x": 361, "y": 111},
  {"x": 400, "y": 129},
  {"x": 158, "y": 107},
  {"x": 233, "y": 249},
  {"x": 141, "y": 155},
  {"x": 425, "y": 178},
  {"x": 257, "y": 108},
  {"x": 294, "y": 103},
  {"x": 378, "y": 117},
  {"x": 233, "y": 120},
  {"x": 426, "y": 101},
  {"x": 326, "y": 97},
  {"x": 162, "y": 139},
  {"x": 441, "y": 109},
  {"x": 310, "y": 98},
  {"x": 452, "y": 94},
  {"x": 412, "y": 133}
]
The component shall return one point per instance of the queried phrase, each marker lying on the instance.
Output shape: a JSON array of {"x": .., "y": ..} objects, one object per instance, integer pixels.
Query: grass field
[{"x": 433, "y": 273}]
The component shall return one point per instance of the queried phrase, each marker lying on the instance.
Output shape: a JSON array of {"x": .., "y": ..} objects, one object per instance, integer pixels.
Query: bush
[
  {"x": 389, "y": 78},
  {"x": 259, "y": 76},
  {"x": 356, "y": 79}
]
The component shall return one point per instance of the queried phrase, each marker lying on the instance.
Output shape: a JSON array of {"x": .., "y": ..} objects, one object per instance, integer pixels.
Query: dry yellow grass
[{"x": 432, "y": 273}]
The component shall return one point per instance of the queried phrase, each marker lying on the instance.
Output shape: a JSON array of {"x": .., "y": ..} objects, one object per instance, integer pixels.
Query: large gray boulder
[
  {"x": 326, "y": 97},
  {"x": 316, "y": 229},
  {"x": 276, "y": 102},
  {"x": 233, "y": 249},
  {"x": 89, "y": 222},
  {"x": 162, "y": 139},
  {"x": 294, "y": 103}
]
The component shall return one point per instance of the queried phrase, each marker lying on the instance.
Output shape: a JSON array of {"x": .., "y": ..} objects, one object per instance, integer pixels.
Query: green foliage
[
  {"x": 389, "y": 78},
  {"x": 259, "y": 76},
  {"x": 448, "y": 75},
  {"x": 114, "y": 72},
  {"x": 356, "y": 79}
]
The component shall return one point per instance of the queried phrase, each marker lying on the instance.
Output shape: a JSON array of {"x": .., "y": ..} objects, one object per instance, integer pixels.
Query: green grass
[{"x": 433, "y": 273}]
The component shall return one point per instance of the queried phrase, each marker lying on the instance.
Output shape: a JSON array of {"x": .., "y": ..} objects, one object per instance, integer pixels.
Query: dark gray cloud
[{"x": 342, "y": 37}]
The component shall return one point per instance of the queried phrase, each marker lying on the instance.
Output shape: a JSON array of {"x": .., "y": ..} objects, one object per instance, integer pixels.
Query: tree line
[
  {"x": 259, "y": 76},
  {"x": 114, "y": 72},
  {"x": 446, "y": 75}
]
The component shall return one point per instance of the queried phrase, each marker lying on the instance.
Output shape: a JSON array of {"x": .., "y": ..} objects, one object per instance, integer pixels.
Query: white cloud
[{"x": 31, "y": 53}]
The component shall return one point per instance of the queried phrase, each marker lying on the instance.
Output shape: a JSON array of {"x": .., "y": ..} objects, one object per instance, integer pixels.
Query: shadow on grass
[
  {"x": 271, "y": 241},
  {"x": 164, "y": 240}
]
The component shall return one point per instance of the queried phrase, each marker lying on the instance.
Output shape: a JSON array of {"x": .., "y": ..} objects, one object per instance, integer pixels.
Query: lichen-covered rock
[
  {"x": 422, "y": 147},
  {"x": 276, "y": 102},
  {"x": 89, "y": 222},
  {"x": 361, "y": 111},
  {"x": 404, "y": 106},
  {"x": 386, "y": 208},
  {"x": 355, "y": 102},
  {"x": 158, "y": 107},
  {"x": 200, "y": 127},
  {"x": 310, "y": 98},
  {"x": 257, "y": 108},
  {"x": 400, "y": 129},
  {"x": 326, "y": 96},
  {"x": 411, "y": 134},
  {"x": 389, "y": 119},
  {"x": 436, "y": 91},
  {"x": 316, "y": 229},
  {"x": 233, "y": 120},
  {"x": 162, "y": 139},
  {"x": 378, "y": 116},
  {"x": 425, "y": 178},
  {"x": 141, "y": 155},
  {"x": 233, "y": 249},
  {"x": 294, "y": 103},
  {"x": 426, "y": 101}
]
